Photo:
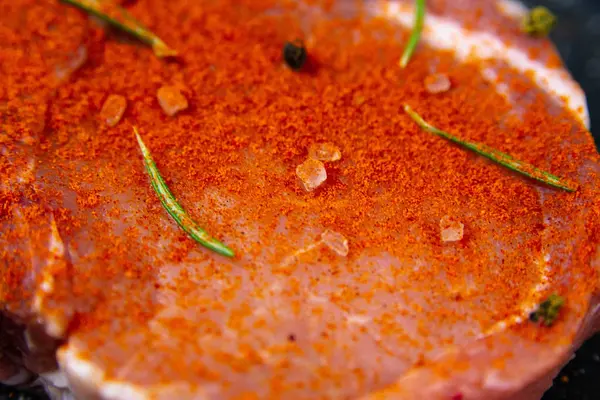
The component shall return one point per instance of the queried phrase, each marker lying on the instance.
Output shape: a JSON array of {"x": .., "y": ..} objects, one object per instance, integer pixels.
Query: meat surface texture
[{"x": 99, "y": 285}]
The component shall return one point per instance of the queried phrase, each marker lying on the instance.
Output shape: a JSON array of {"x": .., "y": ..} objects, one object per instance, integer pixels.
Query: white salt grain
[
  {"x": 311, "y": 174},
  {"x": 113, "y": 109},
  {"x": 171, "y": 100},
  {"x": 437, "y": 83},
  {"x": 75, "y": 61},
  {"x": 336, "y": 242},
  {"x": 324, "y": 152},
  {"x": 451, "y": 229}
]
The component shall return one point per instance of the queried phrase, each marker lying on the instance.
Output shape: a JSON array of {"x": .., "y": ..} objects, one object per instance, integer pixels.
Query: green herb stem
[
  {"x": 416, "y": 33},
  {"x": 174, "y": 208},
  {"x": 120, "y": 18},
  {"x": 495, "y": 155}
]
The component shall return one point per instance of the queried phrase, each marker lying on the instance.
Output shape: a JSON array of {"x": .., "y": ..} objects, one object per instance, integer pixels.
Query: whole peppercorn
[{"x": 294, "y": 54}]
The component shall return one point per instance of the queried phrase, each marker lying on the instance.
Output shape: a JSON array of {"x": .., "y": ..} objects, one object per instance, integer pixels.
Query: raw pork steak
[{"x": 100, "y": 286}]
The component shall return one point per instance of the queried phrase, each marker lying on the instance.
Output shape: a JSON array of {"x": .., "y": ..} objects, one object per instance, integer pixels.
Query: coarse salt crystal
[
  {"x": 324, "y": 152},
  {"x": 113, "y": 109},
  {"x": 437, "y": 83},
  {"x": 75, "y": 61},
  {"x": 171, "y": 100},
  {"x": 451, "y": 230},
  {"x": 311, "y": 174},
  {"x": 336, "y": 242}
]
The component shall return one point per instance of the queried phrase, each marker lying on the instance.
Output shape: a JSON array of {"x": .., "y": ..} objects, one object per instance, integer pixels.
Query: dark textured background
[{"x": 577, "y": 37}]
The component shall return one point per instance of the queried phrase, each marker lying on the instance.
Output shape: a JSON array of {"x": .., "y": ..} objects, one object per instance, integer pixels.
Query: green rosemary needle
[
  {"x": 120, "y": 18},
  {"x": 174, "y": 208},
  {"x": 495, "y": 155},
  {"x": 416, "y": 33}
]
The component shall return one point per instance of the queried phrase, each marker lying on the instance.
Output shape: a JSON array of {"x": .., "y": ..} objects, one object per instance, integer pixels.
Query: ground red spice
[{"x": 249, "y": 123}]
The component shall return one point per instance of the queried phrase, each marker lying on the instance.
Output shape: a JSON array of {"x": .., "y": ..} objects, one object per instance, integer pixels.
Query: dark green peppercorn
[{"x": 294, "y": 54}]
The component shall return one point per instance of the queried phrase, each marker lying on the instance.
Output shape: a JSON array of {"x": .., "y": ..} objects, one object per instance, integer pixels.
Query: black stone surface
[
  {"x": 8, "y": 393},
  {"x": 577, "y": 37}
]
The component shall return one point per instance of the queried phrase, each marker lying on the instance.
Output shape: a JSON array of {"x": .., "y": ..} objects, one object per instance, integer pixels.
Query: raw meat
[{"x": 95, "y": 270}]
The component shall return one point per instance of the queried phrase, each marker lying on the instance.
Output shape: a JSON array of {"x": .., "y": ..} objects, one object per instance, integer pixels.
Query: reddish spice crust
[{"x": 249, "y": 123}]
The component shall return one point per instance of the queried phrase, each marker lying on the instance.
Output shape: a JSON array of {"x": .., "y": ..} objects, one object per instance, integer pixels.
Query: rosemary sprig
[
  {"x": 416, "y": 33},
  {"x": 495, "y": 155},
  {"x": 174, "y": 208},
  {"x": 120, "y": 18}
]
